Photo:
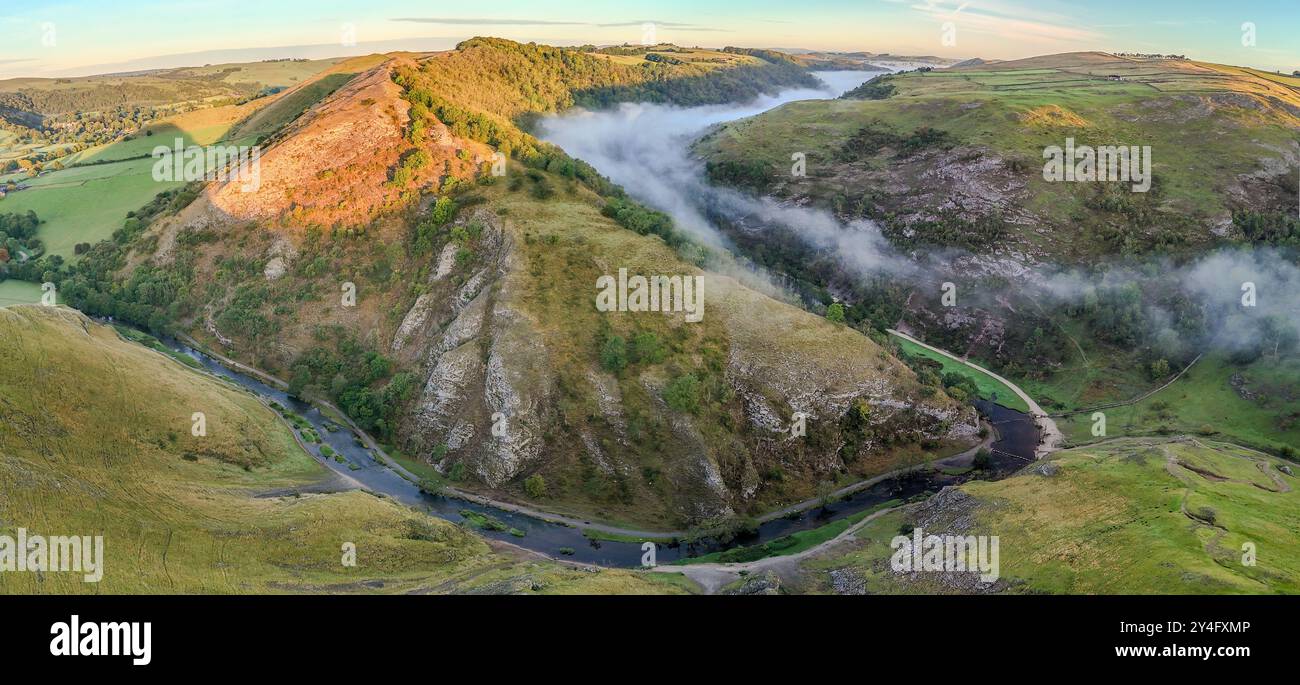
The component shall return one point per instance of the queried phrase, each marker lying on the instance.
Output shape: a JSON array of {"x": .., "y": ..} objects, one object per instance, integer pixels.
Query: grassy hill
[
  {"x": 90, "y": 197},
  {"x": 953, "y": 158},
  {"x": 475, "y": 297},
  {"x": 95, "y": 439},
  {"x": 1140, "y": 516},
  {"x": 907, "y": 146}
]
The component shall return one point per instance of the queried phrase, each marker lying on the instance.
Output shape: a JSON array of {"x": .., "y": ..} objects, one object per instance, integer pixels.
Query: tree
[
  {"x": 299, "y": 381},
  {"x": 825, "y": 493},
  {"x": 1278, "y": 336},
  {"x": 835, "y": 312},
  {"x": 683, "y": 393},
  {"x": 1159, "y": 369},
  {"x": 983, "y": 459},
  {"x": 443, "y": 210},
  {"x": 646, "y": 349},
  {"x": 613, "y": 354},
  {"x": 457, "y": 472},
  {"x": 535, "y": 486}
]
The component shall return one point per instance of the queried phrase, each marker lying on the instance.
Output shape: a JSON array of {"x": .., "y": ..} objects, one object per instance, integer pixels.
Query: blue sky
[{"x": 45, "y": 38}]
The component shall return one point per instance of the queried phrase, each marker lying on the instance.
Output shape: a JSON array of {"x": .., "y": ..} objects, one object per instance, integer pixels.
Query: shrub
[
  {"x": 535, "y": 486},
  {"x": 646, "y": 349},
  {"x": 835, "y": 313},
  {"x": 613, "y": 354},
  {"x": 457, "y": 472},
  {"x": 683, "y": 393}
]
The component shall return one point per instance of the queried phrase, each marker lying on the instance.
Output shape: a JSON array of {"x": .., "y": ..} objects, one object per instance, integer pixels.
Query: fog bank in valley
[{"x": 646, "y": 149}]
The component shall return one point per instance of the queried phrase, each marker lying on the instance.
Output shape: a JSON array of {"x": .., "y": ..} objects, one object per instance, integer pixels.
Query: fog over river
[{"x": 646, "y": 149}]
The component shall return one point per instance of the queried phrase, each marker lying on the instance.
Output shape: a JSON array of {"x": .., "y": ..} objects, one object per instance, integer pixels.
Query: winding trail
[
  {"x": 1052, "y": 437},
  {"x": 713, "y": 576},
  {"x": 1135, "y": 400}
]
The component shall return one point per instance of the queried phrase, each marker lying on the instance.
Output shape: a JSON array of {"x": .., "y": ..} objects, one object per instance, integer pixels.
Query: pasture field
[
  {"x": 86, "y": 204},
  {"x": 1261, "y": 410},
  {"x": 989, "y": 386},
  {"x": 1132, "y": 516},
  {"x": 283, "y": 74},
  {"x": 14, "y": 292}
]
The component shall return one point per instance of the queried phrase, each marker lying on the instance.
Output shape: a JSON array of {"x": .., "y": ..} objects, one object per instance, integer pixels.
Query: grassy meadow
[
  {"x": 19, "y": 292},
  {"x": 86, "y": 204},
  {"x": 989, "y": 386},
  {"x": 1205, "y": 402},
  {"x": 1134, "y": 516}
]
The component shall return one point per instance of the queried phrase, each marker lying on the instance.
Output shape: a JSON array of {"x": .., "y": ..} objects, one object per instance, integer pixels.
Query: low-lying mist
[
  {"x": 646, "y": 149},
  {"x": 1240, "y": 301}
]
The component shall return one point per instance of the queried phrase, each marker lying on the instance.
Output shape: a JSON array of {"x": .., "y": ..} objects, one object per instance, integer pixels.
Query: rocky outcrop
[{"x": 767, "y": 584}]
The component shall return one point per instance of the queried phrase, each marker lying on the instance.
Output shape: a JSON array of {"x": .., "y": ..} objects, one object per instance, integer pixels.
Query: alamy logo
[
  {"x": 55, "y": 554},
  {"x": 665, "y": 294},
  {"x": 1105, "y": 163},
  {"x": 946, "y": 553},
  {"x": 75, "y": 638},
  {"x": 192, "y": 163}
]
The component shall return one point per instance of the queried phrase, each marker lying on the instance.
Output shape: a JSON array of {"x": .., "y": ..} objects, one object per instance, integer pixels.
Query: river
[
  {"x": 1017, "y": 436},
  {"x": 646, "y": 149}
]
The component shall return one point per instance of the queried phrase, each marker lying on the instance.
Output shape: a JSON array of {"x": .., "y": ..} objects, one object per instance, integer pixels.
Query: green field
[
  {"x": 86, "y": 204},
  {"x": 1204, "y": 402},
  {"x": 19, "y": 292},
  {"x": 990, "y": 388},
  {"x": 1132, "y": 516}
]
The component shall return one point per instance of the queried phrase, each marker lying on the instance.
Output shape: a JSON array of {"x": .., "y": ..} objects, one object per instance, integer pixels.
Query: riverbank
[
  {"x": 1051, "y": 437},
  {"x": 359, "y": 460}
]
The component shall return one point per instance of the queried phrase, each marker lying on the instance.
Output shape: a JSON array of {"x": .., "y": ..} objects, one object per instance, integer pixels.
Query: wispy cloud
[
  {"x": 1007, "y": 20},
  {"x": 459, "y": 21},
  {"x": 488, "y": 22}
]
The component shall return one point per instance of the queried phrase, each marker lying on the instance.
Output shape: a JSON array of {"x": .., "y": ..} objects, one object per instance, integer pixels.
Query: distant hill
[
  {"x": 989, "y": 123},
  {"x": 52, "y": 117},
  {"x": 974, "y": 61},
  {"x": 864, "y": 56}
]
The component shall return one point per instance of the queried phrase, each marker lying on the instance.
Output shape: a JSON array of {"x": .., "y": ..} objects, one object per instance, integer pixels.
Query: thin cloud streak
[{"x": 542, "y": 22}]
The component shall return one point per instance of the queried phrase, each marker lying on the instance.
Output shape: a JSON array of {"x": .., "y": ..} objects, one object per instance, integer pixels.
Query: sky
[{"x": 77, "y": 37}]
